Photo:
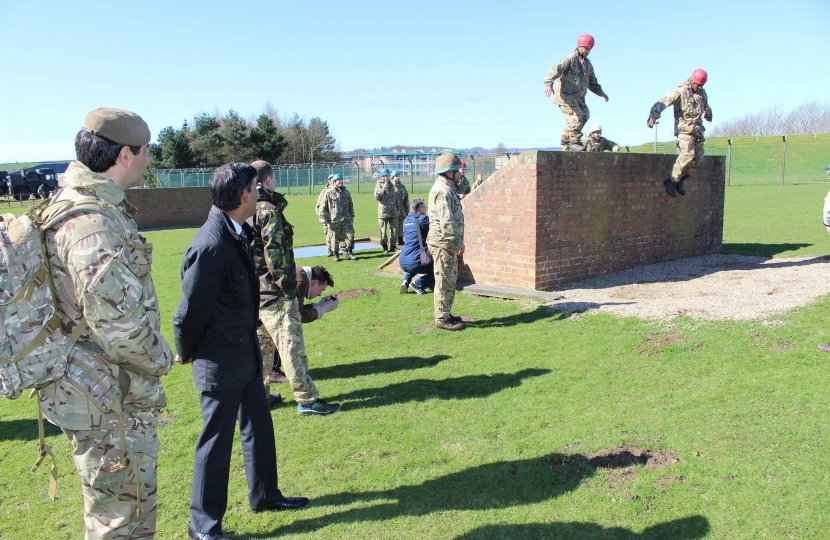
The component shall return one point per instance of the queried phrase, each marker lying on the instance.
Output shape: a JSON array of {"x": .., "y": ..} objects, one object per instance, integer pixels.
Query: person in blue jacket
[{"x": 410, "y": 259}]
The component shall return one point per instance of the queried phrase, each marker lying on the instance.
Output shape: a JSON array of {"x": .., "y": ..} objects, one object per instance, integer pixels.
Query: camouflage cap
[
  {"x": 447, "y": 162},
  {"x": 118, "y": 125}
]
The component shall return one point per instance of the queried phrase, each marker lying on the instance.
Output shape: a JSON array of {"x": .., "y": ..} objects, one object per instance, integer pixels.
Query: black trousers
[{"x": 220, "y": 411}]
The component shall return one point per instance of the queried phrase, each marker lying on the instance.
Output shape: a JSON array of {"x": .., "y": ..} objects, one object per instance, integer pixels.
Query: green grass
[
  {"x": 485, "y": 433},
  {"x": 759, "y": 162}
]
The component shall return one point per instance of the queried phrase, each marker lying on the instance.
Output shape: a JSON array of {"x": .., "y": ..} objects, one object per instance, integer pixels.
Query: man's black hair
[
  {"x": 228, "y": 182},
  {"x": 97, "y": 152},
  {"x": 322, "y": 275}
]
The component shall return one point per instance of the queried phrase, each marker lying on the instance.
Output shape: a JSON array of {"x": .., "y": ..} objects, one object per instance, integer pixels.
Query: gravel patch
[{"x": 708, "y": 287}]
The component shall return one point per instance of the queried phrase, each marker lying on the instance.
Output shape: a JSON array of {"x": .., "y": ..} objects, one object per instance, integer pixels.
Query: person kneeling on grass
[{"x": 415, "y": 230}]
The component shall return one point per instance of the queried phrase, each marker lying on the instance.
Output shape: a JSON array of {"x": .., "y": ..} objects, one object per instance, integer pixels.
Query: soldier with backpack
[{"x": 106, "y": 394}]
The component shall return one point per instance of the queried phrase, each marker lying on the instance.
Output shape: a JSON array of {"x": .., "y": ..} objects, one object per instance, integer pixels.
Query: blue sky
[{"x": 457, "y": 74}]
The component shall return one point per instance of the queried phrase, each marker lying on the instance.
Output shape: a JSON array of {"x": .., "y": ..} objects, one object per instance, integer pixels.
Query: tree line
[
  {"x": 809, "y": 118},
  {"x": 212, "y": 140}
]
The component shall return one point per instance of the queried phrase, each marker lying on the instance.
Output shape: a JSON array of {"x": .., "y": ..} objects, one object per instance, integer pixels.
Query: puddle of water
[{"x": 320, "y": 251}]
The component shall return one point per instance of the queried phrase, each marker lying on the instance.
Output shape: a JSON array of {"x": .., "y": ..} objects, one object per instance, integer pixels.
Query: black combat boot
[
  {"x": 679, "y": 187},
  {"x": 670, "y": 187}
]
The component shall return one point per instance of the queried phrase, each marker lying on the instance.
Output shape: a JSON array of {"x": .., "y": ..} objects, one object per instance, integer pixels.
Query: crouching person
[{"x": 411, "y": 260}]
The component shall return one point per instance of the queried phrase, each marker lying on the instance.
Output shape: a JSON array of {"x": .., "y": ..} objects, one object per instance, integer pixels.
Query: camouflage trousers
[
  {"x": 340, "y": 233},
  {"x": 446, "y": 274},
  {"x": 392, "y": 225},
  {"x": 329, "y": 245},
  {"x": 282, "y": 325},
  {"x": 110, "y": 510},
  {"x": 400, "y": 228},
  {"x": 576, "y": 116},
  {"x": 691, "y": 152}
]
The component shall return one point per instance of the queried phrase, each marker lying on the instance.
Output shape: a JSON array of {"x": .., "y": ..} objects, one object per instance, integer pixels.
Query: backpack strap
[{"x": 45, "y": 450}]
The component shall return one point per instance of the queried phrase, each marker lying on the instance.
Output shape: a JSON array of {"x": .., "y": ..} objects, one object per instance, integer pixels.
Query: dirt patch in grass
[
  {"x": 165, "y": 419},
  {"x": 354, "y": 293},
  {"x": 775, "y": 345},
  {"x": 627, "y": 456},
  {"x": 653, "y": 343},
  {"x": 619, "y": 477},
  {"x": 663, "y": 483}
]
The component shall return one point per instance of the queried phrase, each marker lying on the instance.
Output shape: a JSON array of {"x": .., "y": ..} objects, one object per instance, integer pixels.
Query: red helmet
[
  {"x": 585, "y": 40},
  {"x": 699, "y": 76},
  {"x": 464, "y": 164}
]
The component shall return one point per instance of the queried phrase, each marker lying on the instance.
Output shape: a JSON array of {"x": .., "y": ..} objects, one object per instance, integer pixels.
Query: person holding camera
[
  {"x": 415, "y": 257},
  {"x": 286, "y": 323}
]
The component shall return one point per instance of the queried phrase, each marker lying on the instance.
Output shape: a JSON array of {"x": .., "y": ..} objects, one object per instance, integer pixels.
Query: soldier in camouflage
[
  {"x": 338, "y": 214},
  {"x": 597, "y": 143},
  {"x": 321, "y": 198},
  {"x": 273, "y": 248},
  {"x": 101, "y": 269},
  {"x": 691, "y": 107},
  {"x": 446, "y": 238},
  {"x": 463, "y": 187},
  {"x": 479, "y": 180},
  {"x": 388, "y": 211},
  {"x": 402, "y": 196},
  {"x": 575, "y": 75}
]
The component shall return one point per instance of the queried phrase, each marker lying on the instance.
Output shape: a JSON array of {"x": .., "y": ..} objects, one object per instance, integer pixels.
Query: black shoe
[
  {"x": 336, "y": 257},
  {"x": 285, "y": 503},
  {"x": 193, "y": 535},
  {"x": 449, "y": 325},
  {"x": 454, "y": 319},
  {"x": 670, "y": 187},
  {"x": 329, "y": 253},
  {"x": 680, "y": 189},
  {"x": 274, "y": 400}
]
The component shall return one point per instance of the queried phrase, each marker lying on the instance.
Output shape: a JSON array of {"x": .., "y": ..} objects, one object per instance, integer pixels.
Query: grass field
[
  {"x": 493, "y": 432},
  {"x": 758, "y": 161}
]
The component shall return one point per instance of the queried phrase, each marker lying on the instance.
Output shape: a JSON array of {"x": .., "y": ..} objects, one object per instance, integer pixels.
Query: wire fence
[{"x": 309, "y": 179}]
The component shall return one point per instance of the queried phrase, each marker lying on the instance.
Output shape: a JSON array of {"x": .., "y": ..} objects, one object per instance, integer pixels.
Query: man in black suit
[{"x": 215, "y": 329}]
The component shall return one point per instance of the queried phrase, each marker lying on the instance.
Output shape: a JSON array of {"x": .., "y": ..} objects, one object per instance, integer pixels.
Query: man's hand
[
  {"x": 322, "y": 220},
  {"x": 461, "y": 250},
  {"x": 650, "y": 123},
  {"x": 605, "y": 97},
  {"x": 329, "y": 304},
  {"x": 548, "y": 91}
]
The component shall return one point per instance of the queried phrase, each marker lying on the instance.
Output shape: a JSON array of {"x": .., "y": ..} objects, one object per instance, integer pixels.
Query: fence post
[
  {"x": 356, "y": 166},
  {"x": 783, "y": 158},
  {"x": 729, "y": 161},
  {"x": 411, "y": 176}
]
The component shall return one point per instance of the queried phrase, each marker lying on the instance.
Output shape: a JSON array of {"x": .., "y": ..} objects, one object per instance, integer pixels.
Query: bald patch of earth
[
  {"x": 654, "y": 342},
  {"x": 739, "y": 287},
  {"x": 663, "y": 483},
  {"x": 354, "y": 293},
  {"x": 627, "y": 456}
]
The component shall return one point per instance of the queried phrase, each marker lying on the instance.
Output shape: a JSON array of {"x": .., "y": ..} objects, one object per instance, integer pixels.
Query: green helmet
[{"x": 447, "y": 162}]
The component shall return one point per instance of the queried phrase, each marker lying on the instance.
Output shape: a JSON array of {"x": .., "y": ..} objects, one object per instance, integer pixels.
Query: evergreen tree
[
  {"x": 207, "y": 141},
  {"x": 235, "y": 134},
  {"x": 266, "y": 142}
]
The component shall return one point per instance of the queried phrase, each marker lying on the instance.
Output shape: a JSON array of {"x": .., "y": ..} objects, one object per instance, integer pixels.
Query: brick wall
[
  {"x": 550, "y": 218},
  {"x": 167, "y": 208}
]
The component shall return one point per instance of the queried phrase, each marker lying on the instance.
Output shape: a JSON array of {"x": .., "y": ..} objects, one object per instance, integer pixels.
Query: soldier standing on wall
[
  {"x": 691, "y": 105},
  {"x": 576, "y": 76}
]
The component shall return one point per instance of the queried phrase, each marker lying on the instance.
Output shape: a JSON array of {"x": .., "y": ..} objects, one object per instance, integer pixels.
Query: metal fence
[{"x": 309, "y": 179}]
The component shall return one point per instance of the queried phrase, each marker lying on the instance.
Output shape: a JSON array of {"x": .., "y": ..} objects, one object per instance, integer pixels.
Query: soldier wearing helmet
[
  {"x": 597, "y": 143},
  {"x": 388, "y": 211},
  {"x": 463, "y": 186},
  {"x": 691, "y": 106},
  {"x": 321, "y": 200},
  {"x": 446, "y": 238},
  {"x": 575, "y": 76}
]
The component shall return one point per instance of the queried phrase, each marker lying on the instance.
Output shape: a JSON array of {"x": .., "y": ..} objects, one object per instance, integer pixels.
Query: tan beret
[{"x": 118, "y": 125}]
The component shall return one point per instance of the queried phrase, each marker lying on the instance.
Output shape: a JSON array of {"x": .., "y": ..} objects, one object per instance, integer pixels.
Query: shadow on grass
[
  {"x": 762, "y": 250},
  {"x": 380, "y": 365},
  {"x": 25, "y": 430},
  {"x": 527, "y": 317},
  {"x": 679, "y": 529},
  {"x": 504, "y": 484},
  {"x": 467, "y": 387}
]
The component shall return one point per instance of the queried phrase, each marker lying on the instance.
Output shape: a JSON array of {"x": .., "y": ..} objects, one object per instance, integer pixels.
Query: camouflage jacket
[
  {"x": 576, "y": 76},
  {"x": 338, "y": 205},
  {"x": 387, "y": 199},
  {"x": 101, "y": 270},
  {"x": 402, "y": 196},
  {"x": 600, "y": 146},
  {"x": 464, "y": 186},
  {"x": 477, "y": 183},
  {"x": 446, "y": 220},
  {"x": 690, "y": 108},
  {"x": 321, "y": 200},
  {"x": 273, "y": 248}
]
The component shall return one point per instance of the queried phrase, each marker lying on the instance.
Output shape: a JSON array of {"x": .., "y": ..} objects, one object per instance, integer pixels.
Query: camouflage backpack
[{"x": 34, "y": 351}]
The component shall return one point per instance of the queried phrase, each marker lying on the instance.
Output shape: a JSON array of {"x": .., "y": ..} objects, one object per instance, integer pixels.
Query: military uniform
[
  {"x": 477, "y": 183},
  {"x": 445, "y": 238},
  {"x": 338, "y": 212},
  {"x": 101, "y": 270},
  {"x": 388, "y": 213},
  {"x": 402, "y": 196},
  {"x": 602, "y": 145},
  {"x": 463, "y": 187},
  {"x": 690, "y": 108},
  {"x": 273, "y": 248},
  {"x": 575, "y": 76},
  {"x": 321, "y": 198}
]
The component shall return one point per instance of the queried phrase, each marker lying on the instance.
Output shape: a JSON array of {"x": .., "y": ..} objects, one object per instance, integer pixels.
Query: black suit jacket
[{"x": 216, "y": 320}]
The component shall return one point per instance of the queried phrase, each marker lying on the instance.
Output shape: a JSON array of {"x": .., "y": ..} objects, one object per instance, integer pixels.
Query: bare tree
[{"x": 806, "y": 119}]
